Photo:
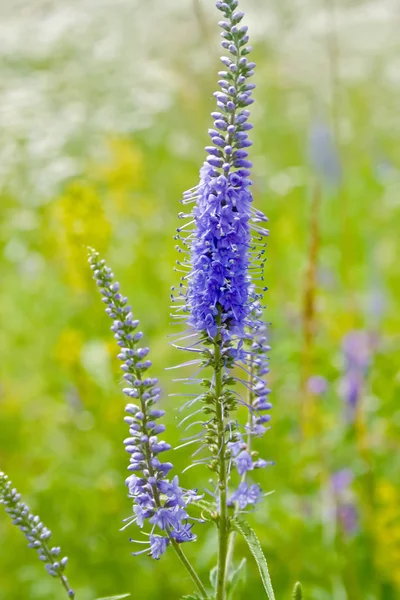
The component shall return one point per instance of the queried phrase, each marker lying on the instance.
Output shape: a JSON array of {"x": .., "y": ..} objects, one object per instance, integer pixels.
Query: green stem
[
  {"x": 223, "y": 532},
  {"x": 181, "y": 555},
  {"x": 232, "y": 534},
  {"x": 184, "y": 560}
]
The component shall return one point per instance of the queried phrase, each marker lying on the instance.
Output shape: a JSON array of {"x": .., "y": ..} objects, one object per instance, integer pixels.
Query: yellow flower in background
[
  {"x": 80, "y": 215},
  {"x": 68, "y": 348},
  {"x": 122, "y": 174},
  {"x": 387, "y": 532}
]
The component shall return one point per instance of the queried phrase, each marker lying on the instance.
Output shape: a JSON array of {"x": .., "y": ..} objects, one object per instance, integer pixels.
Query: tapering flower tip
[
  {"x": 259, "y": 366},
  {"x": 157, "y": 500},
  {"x": 217, "y": 294},
  {"x": 35, "y": 532}
]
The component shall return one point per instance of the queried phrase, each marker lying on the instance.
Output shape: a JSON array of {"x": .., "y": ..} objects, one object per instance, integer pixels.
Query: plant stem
[
  {"x": 307, "y": 420},
  {"x": 232, "y": 534},
  {"x": 185, "y": 561},
  {"x": 181, "y": 555},
  {"x": 223, "y": 532}
]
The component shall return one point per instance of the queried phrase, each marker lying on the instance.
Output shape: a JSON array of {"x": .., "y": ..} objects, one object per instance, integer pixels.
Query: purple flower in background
[
  {"x": 346, "y": 511},
  {"x": 347, "y": 516},
  {"x": 357, "y": 350},
  {"x": 155, "y": 498},
  {"x": 341, "y": 480},
  {"x": 323, "y": 154},
  {"x": 357, "y": 353},
  {"x": 317, "y": 385}
]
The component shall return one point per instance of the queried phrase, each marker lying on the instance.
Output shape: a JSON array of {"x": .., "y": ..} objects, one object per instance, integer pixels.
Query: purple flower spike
[
  {"x": 220, "y": 291},
  {"x": 346, "y": 510},
  {"x": 35, "y": 532},
  {"x": 155, "y": 498},
  {"x": 217, "y": 292},
  {"x": 357, "y": 352}
]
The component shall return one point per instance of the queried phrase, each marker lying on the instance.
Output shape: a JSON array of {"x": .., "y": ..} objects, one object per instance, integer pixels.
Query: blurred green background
[{"x": 104, "y": 114}]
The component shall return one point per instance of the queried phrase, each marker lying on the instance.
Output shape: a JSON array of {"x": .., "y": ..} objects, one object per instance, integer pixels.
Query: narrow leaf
[
  {"x": 256, "y": 550},
  {"x": 297, "y": 592},
  {"x": 237, "y": 576},
  {"x": 213, "y": 577}
]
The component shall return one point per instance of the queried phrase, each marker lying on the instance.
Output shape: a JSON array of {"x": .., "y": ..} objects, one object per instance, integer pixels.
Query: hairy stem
[
  {"x": 232, "y": 534},
  {"x": 223, "y": 532},
  {"x": 185, "y": 561},
  {"x": 181, "y": 555}
]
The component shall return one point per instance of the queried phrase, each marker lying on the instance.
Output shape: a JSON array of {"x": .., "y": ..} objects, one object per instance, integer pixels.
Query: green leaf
[
  {"x": 191, "y": 597},
  {"x": 213, "y": 577},
  {"x": 115, "y": 597},
  {"x": 237, "y": 576},
  {"x": 256, "y": 550},
  {"x": 297, "y": 592}
]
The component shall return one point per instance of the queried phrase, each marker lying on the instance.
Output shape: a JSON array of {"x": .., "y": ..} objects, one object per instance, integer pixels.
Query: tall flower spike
[
  {"x": 219, "y": 292},
  {"x": 156, "y": 500},
  {"x": 224, "y": 244},
  {"x": 217, "y": 295},
  {"x": 35, "y": 532}
]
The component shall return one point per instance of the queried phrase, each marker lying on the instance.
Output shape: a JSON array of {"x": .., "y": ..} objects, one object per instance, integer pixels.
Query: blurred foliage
[{"x": 113, "y": 181}]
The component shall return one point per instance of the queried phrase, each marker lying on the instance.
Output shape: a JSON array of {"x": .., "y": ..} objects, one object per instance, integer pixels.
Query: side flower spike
[
  {"x": 35, "y": 532},
  {"x": 156, "y": 500}
]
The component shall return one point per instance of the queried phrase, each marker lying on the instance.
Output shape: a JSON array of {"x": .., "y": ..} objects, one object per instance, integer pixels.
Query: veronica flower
[
  {"x": 218, "y": 293},
  {"x": 36, "y": 533},
  {"x": 245, "y": 495},
  {"x": 224, "y": 245},
  {"x": 157, "y": 500}
]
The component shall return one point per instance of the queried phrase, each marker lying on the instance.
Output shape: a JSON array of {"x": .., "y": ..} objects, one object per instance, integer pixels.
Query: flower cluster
[
  {"x": 218, "y": 294},
  {"x": 35, "y": 532},
  {"x": 156, "y": 499},
  {"x": 243, "y": 458}
]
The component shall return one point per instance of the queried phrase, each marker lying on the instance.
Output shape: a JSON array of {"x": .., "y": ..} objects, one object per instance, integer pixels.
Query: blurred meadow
[{"x": 104, "y": 110}]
